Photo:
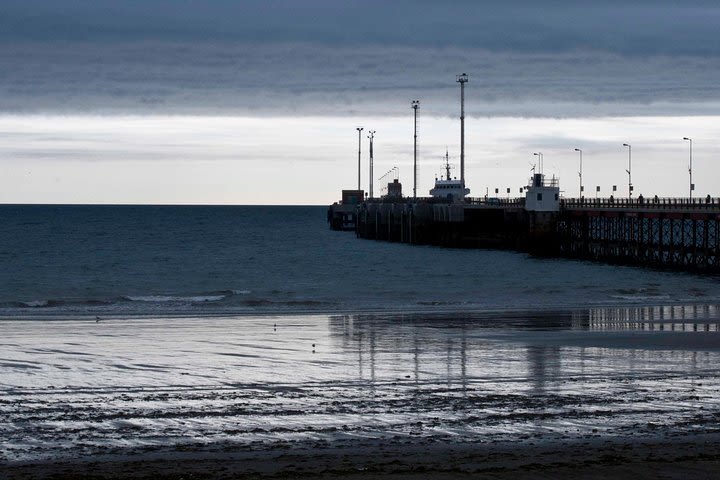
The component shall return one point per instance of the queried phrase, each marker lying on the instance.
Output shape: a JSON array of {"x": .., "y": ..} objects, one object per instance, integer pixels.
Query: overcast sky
[{"x": 82, "y": 83}]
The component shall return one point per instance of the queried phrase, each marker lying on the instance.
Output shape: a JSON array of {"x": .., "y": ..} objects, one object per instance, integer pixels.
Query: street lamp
[
  {"x": 462, "y": 80},
  {"x": 692, "y": 187},
  {"x": 359, "y": 129},
  {"x": 415, "y": 104},
  {"x": 580, "y": 172},
  {"x": 370, "y": 179},
  {"x": 630, "y": 188}
]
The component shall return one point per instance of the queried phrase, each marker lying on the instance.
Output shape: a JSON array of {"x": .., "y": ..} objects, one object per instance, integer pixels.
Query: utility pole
[
  {"x": 462, "y": 80},
  {"x": 371, "y": 137},
  {"x": 415, "y": 104},
  {"x": 359, "y": 129}
]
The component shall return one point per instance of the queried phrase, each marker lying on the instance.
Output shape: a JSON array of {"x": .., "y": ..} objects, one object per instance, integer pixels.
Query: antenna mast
[{"x": 447, "y": 164}]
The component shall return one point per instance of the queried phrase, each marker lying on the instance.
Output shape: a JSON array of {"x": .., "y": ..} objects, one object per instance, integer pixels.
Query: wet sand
[
  {"x": 612, "y": 391},
  {"x": 697, "y": 457}
]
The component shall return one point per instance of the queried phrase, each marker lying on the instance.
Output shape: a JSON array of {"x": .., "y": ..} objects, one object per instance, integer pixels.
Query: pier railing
[
  {"x": 650, "y": 203},
  {"x": 660, "y": 203},
  {"x": 483, "y": 201}
]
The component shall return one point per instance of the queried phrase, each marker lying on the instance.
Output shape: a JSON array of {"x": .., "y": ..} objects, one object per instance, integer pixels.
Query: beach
[{"x": 624, "y": 391}]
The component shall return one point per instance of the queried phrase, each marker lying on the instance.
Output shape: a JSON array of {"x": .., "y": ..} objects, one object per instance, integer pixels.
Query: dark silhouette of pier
[{"x": 677, "y": 233}]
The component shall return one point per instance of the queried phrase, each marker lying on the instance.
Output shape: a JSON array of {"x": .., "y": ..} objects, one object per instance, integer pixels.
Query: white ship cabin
[
  {"x": 542, "y": 195},
  {"x": 448, "y": 189}
]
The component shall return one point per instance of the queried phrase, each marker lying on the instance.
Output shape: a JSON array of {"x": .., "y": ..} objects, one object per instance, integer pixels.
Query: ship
[{"x": 448, "y": 188}]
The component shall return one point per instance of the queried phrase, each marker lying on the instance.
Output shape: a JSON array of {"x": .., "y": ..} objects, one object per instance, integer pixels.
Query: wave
[
  {"x": 233, "y": 299},
  {"x": 55, "y": 303},
  {"x": 173, "y": 298},
  {"x": 641, "y": 297}
]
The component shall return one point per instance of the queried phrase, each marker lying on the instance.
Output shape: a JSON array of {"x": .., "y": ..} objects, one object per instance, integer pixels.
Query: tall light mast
[
  {"x": 371, "y": 137},
  {"x": 462, "y": 80},
  {"x": 415, "y": 104},
  {"x": 359, "y": 130},
  {"x": 692, "y": 186}
]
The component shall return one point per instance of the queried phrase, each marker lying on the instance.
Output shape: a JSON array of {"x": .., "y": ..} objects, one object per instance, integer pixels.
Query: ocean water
[{"x": 206, "y": 260}]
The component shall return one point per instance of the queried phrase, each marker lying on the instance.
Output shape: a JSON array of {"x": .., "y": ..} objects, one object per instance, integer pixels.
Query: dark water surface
[{"x": 210, "y": 259}]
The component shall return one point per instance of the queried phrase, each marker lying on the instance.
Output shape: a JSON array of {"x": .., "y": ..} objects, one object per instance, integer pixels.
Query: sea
[{"x": 58, "y": 260}]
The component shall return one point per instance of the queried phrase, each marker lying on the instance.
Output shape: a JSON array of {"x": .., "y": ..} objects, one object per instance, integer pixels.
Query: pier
[
  {"x": 676, "y": 233},
  {"x": 660, "y": 232}
]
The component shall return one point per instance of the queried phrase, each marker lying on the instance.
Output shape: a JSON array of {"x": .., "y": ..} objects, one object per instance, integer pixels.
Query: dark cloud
[
  {"x": 307, "y": 79},
  {"x": 638, "y": 27},
  {"x": 553, "y": 58}
]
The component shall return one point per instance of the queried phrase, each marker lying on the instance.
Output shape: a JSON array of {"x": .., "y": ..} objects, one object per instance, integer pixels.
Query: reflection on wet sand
[
  {"x": 476, "y": 334},
  {"x": 677, "y": 317},
  {"x": 487, "y": 377}
]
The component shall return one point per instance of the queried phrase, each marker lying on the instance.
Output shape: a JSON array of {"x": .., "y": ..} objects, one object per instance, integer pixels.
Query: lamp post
[
  {"x": 370, "y": 181},
  {"x": 692, "y": 187},
  {"x": 580, "y": 172},
  {"x": 415, "y": 104},
  {"x": 462, "y": 80},
  {"x": 629, "y": 168},
  {"x": 359, "y": 130}
]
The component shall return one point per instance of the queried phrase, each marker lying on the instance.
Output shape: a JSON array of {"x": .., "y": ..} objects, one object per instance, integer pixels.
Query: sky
[{"x": 257, "y": 102}]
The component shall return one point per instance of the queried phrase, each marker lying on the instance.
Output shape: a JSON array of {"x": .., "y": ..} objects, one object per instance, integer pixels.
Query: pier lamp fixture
[
  {"x": 359, "y": 130},
  {"x": 692, "y": 186},
  {"x": 415, "y": 104},
  {"x": 580, "y": 172},
  {"x": 629, "y": 169},
  {"x": 540, "y": 157}
]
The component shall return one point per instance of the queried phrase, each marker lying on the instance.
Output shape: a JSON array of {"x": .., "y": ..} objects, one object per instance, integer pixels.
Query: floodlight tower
[
  {"x": 462, "y": 80},
  {"x": 415, "y": 104},
  {"x": 359, "y": 130},
  {"x": 371, "y": 137}
]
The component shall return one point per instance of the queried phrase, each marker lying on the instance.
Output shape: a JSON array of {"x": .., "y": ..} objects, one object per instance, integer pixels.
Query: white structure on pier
[
  {"x": 542, "y": 195},
  {"x": 447, "y": 188}
]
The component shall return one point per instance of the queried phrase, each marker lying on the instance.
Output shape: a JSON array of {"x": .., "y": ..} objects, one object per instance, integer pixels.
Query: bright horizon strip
[{"x": 160, "y": 159}]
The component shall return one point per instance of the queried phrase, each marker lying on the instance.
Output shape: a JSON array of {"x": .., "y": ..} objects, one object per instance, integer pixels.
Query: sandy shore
[
  {"x": 697, "y": 457},
  {"x": 536, "y": 395}
]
